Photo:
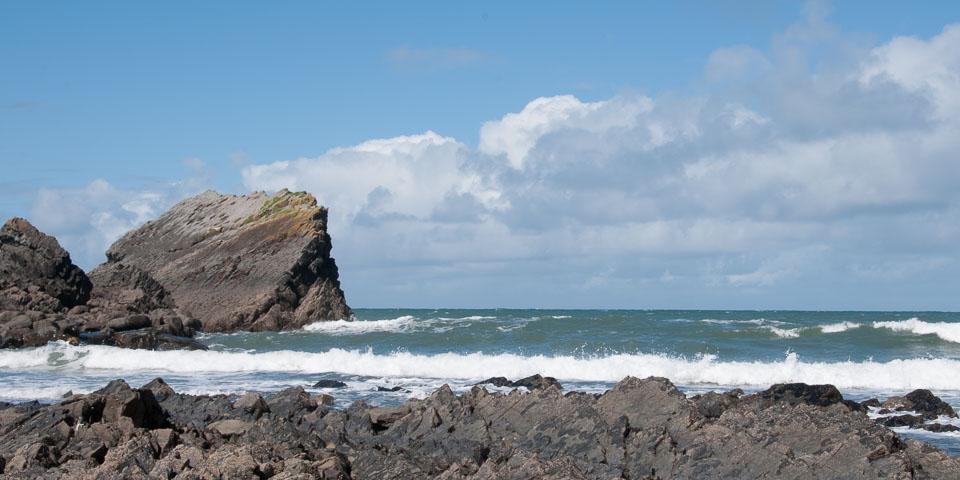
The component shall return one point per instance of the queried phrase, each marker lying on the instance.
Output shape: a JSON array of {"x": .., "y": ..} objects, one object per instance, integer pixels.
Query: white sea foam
[
  {"x": 785, "y": 332},
  {"x": 402, "y": 324},
  {"x": 904, "y": 374},
  {"x": 753, "y": 321},
  {"x": 947, "y": 331},
  {"x": 838, "y": 327},
  {"x": 347, "y": 327}
]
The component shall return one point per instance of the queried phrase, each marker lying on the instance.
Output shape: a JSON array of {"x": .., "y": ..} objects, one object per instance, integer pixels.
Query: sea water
[{"x": 864, "y": 354}]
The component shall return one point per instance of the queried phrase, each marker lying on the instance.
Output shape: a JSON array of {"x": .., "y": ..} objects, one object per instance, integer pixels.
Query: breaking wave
[
  {"x": 901, "y": 374},
  {"x": 946, "y": 331}
]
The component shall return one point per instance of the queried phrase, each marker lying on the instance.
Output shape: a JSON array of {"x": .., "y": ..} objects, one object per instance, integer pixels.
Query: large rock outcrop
[
  {"x": 36, "y": 273},
  {"x": 44, "y": 297},
  {"x": 639, "y": 429},
  {"x": 257, "y": 262}
]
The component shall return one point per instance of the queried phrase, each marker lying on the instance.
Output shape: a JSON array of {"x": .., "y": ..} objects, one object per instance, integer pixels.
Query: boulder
[
  {"x": 927, "y": 404},
  {"x": 256, "y": 262},
  {"x": 533, "y": 382},
  {"x": 130, "y": 322},
  {"x": 229, "y": 428},
  {"x": 329, "y": 384},
  {"x": 252, "y": 403}
]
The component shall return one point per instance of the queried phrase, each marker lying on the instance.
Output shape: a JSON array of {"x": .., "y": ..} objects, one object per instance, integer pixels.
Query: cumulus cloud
[
  {"x": 792, "y": 167},
  {"x": 87, "y": 219},
  {"x": 812, "y": 166}
]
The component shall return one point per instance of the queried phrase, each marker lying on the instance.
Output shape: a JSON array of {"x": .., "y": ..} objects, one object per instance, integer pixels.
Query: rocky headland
[
  {"x": 641, "y": 428},
  {"x": 253, "y": 263},
  {"x": 217, "y": 263}
]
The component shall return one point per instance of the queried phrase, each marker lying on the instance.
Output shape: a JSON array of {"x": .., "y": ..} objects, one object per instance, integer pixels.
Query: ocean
[{"x": 864, "y": 354}]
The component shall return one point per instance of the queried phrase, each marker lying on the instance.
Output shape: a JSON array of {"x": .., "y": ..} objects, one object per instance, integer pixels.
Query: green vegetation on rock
[{"x": 280, "y": 205}]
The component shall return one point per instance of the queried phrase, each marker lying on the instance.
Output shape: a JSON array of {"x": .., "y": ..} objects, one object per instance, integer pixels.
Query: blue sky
[{"x": 676, "y": 154}]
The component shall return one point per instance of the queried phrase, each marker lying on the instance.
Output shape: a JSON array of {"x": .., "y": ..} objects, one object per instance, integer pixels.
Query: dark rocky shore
[
  {"x": 639, "y": 429},
  {"x": 216, "y": 263}
]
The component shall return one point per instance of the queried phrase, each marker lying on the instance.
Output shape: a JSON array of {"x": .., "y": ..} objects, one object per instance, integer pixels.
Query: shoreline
[{"x": 638, "y": 428}]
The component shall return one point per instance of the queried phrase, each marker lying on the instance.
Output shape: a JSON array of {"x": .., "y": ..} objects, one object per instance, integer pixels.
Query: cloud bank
[{"x": 815, "y": 173}]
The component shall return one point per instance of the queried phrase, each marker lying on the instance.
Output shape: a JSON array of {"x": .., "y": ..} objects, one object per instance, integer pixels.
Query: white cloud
[
  {"x": 754, "y": 196},
  {"x": 517, "y": 133},
  {"x": 87, "y": 220},
  {"x": 794, "y": 167}
]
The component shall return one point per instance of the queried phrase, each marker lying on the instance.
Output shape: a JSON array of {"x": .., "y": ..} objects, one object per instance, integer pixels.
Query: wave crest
[
  {"x": 946, "y": 331},
  {"x": 706, "y": 369}
]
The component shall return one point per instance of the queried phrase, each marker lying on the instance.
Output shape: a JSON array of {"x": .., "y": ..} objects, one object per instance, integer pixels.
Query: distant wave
[
  {"x": 707, "y": 369},
  {"x": 753, "y": 321},
  {"x": 947, "y": 331},
  {"x": 357, "y": 327},
  {"x": 405, "y": 323},
  {"x": 838, "y": 327},
  {"x": 785, "y": 332}
]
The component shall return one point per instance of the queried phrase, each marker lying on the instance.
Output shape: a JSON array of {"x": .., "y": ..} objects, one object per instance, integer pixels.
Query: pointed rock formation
[
  {"x": 36, "y": 273},
  {"x": 256, "y": 262}
]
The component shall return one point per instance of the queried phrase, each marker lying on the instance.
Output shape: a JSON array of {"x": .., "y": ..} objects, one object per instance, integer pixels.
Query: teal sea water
[{"x": 865, "y": 354}]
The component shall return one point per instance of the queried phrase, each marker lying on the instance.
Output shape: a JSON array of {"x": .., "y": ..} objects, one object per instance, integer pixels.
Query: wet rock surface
[
  {"x": 639, "y": 429},
  {"x": 919, "y": 409},
  {"x": 254, "y": 263},
  {"x": 533, "y": 382}
]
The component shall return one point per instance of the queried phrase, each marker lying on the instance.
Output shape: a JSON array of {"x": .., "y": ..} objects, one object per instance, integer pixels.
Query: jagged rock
[
  {"x": 713, "y": 404},
  {"x": 821, "y": 395},
  {"x": 256, "y": 262},
  {"x": 902, "y": 421},
  {"x": 252, "y": 403},
  {"x": 126, "y": 288},
  {"x": 537, "y": 381},
  {"x": 927, "y": 404},
  {"x": 385, "y": 416},
  {"x": 641, "y": 428},
  {"x": 292, "y": 401},
  {"x": 36, "y": 273}
]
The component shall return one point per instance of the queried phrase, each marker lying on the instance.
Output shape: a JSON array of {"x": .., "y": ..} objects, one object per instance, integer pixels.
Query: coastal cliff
[{"x": 256, "y": 262}]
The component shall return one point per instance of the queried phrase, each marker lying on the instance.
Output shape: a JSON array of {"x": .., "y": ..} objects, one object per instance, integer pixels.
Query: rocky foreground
[
  {"x": 216, "y": 263},
  {"x": 639, "y": 429}
]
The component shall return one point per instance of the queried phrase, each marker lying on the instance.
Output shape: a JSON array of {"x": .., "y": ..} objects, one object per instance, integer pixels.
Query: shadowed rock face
[
  {"x": 256, "y": 262},
  {"x": 36, "y": 273}
]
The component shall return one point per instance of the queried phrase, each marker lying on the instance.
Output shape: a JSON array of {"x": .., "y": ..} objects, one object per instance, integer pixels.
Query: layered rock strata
[
  {"x": 639, "y": 429},
  {"x": 256, "y": 262}
]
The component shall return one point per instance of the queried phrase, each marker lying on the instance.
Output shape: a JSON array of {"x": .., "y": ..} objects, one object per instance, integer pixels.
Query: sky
[{"x": 688, "y": 155}]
